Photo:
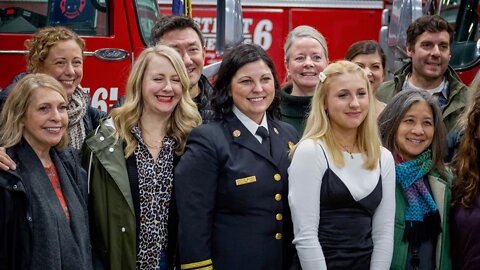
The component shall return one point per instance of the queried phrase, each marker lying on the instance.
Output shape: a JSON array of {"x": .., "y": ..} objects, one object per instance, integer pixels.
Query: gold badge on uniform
[
  {"x": 246, "y": 180},
  {"x": 291, "y": 145},
  {"x": 236, "y": 133},
  {"x": 276, "y": 130}
]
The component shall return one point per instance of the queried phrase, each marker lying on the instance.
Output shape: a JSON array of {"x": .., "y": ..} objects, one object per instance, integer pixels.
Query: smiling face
[
  {"x": 347, "y": 102},
  {"x": 161, "y": 87},
  {"x": 415, "y": 132},
  {"x": 430, "y": 57},
  {"x": 372, "y": 64},
  {"x": 45, "y": 120},
  {"x": 64, "y": 62},
  {"x": 306, "y": 60},
  {"x": 187, "y": 43},
  {"x": 253, "y": 89}
]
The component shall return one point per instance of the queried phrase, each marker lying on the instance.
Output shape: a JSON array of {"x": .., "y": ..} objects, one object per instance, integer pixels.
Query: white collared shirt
[{"x": 249, "y": 123}]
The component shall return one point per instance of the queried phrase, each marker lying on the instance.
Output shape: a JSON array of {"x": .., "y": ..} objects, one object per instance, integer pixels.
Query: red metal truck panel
[
  {"x": 341, "y": 27},
  {"x": 269, "y": 27},
  {"x": 104, "y": 79}
]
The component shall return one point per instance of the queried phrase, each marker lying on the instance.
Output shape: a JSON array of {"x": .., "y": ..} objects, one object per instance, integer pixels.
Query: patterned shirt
[
  {"x": 52, "y": 174},
  {"x": 155, "y": 182}
]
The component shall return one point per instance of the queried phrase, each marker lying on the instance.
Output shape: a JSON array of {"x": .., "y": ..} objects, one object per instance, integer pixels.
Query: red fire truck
[
  {"x": 116, "y": 31},
  {"x": 267, "y": 22}
]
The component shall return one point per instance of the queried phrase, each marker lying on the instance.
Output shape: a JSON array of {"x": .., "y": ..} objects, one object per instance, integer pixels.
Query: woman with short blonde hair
[{"x": 306, "y": 55}]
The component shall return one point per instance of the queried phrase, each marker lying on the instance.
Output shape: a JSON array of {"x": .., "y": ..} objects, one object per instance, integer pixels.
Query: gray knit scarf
[
  {"x": 77, "y": 108},
  {"x": 56, "y": 243}
]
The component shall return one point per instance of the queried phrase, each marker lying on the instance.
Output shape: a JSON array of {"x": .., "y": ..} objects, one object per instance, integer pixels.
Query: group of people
[{"x": 319, "y": 174}]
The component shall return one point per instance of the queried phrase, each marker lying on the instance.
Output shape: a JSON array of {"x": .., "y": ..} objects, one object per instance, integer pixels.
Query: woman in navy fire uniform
[{"x": 231, "y": 184}]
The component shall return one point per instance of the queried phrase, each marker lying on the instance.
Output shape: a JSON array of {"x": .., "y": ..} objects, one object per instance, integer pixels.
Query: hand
[{"x": 6, "y": 163}]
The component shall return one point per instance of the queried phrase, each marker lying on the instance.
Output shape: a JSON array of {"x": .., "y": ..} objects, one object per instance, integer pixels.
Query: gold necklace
[
  {"x": 346, "y": 148},
  {"x": 157, "y": 143},
  {"x": 160, "y": 142}
]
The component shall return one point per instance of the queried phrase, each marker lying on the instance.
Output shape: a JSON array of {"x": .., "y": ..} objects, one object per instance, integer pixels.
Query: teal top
[{"x": 441, "y": 191}]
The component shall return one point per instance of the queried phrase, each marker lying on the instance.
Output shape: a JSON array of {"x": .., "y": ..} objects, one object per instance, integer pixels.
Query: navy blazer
[{"x": 232, "y": 198}]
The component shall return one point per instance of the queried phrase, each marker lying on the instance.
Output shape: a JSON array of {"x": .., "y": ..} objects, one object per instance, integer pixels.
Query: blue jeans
[{"x": 163, "y": 261}]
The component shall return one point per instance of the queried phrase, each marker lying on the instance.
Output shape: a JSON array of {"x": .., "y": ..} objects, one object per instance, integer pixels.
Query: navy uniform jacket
[{"x": 232, "y": 198}]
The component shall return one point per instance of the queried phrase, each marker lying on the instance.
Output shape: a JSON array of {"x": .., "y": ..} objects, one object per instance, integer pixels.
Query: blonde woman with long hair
[
  {"x": 130, "y": 160},
  {"x": 341, "y": 180}
]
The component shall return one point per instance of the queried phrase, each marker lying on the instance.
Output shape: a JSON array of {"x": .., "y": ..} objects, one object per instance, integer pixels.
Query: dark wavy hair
[
  {"x": 427, "y": 23},
  {"x": 233, "y": 60},
  {"x": 465, "y": 162}
]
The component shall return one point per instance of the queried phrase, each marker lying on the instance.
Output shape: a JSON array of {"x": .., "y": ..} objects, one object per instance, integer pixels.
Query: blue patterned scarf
[{"x": 422, "y": 218}]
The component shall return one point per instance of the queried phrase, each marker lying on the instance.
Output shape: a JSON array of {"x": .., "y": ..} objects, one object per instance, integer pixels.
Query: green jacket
[
  {"x": 441, "y": 190},
  {"x": 457, "y": 98},
  {"x": 113, "y": 224}
]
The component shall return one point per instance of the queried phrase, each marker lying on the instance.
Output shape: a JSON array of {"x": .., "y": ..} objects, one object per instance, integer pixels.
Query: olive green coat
[
  {"x": 457, "y": 97},
  {"x": 113, "y": 224}
]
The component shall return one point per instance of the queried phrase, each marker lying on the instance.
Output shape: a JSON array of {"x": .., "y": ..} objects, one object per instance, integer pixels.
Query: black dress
[{"x": 345, "y": 229}]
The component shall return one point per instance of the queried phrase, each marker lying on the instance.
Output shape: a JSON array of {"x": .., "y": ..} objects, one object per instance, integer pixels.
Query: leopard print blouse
[{"x": 155, "y": 180}]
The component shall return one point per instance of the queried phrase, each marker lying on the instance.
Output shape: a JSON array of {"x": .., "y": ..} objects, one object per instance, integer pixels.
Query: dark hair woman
[
  {"x": 231, "y": 183},
  {"x": 411, "y": 128}
]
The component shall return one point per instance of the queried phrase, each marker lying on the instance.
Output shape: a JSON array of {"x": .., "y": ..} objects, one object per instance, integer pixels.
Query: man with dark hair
[
  {"x": 429, "y": 40},
  {"x": 183, "y": 34}
]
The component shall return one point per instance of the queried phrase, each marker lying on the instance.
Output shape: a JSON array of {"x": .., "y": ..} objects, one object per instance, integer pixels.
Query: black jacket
[
  {"x": 203, "y": 100},
  {"x": 92, "y": 118},
  {"x": 16, "y": 225}
]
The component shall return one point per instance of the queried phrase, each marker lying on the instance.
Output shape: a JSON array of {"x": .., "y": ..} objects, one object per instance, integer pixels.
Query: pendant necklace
[
  {"x": 157, "y": 143},
  {"x": 158, "y": 146},
  {"x": 347, "y": 148},
  {"x": 50, "y": 171}
]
